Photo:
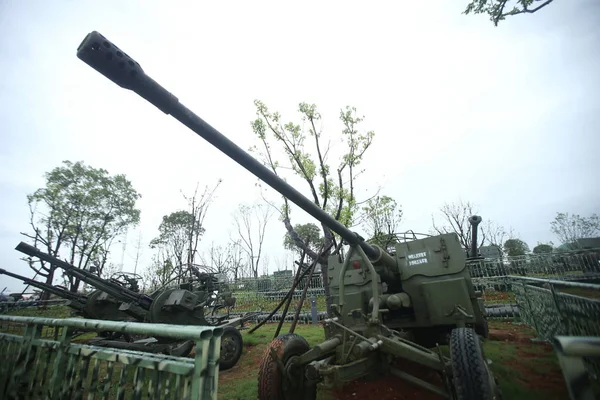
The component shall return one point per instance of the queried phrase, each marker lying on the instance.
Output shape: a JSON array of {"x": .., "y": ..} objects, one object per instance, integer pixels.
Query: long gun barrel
[
  {"x": 474, "y": 220},
  {"x": 65, "y": 294},
  {"x": 112, "y": 289},
  {"x": 116, "y": 65}
]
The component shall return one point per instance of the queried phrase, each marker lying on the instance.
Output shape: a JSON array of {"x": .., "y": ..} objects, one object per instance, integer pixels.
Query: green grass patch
[
  {"x": 264, "y": 335},
  {"x": 47, "y": 312},
  {"x": 257, "y": 301}
]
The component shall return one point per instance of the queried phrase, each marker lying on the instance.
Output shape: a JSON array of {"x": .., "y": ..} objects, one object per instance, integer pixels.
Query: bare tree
[
  {"x": 251, "y": 223},
  {"x": 495, "y": 234},
  {"x": 198, "y": 207},
  {"x": 266, "y": 261},
  {"x": 180, "y": 231},
  {"x": 455, "y": 217},
  {"x": 138, "y": 252},
  {"x": 237, "y": 259},
  {"x": 571, "y": 227},
  {"x": 219, "y": 259}
]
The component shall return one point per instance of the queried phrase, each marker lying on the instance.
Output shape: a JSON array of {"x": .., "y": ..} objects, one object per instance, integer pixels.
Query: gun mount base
[
  {"x": 171, "y": 307},
  {"x": 100, "y": 305}
]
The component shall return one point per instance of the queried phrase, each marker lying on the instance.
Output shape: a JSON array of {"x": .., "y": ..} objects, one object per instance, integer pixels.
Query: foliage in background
[
  {"x": 569, "y": 228},
  {"x": 498, "y": 10},
  {"x": 331, "y": 186},
  {"x": 309, "y": 233},
  {"x": 382, "y": 217},
  {"x": 78, "y": 215},
  {"x": 179, "y": 235},
  {"x": 543, "y": 248},
  {"x": 515, "y": 247}
]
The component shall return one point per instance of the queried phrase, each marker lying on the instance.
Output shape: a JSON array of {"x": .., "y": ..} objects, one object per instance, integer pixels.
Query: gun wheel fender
[
  {"x": 471, "y": 377},
  {"x": 231, "y": 348},
  {"x": 272, "y": 383}
]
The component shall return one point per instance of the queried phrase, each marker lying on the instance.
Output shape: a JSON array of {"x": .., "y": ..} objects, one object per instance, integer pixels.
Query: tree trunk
[{"x": 46, "y": 295}]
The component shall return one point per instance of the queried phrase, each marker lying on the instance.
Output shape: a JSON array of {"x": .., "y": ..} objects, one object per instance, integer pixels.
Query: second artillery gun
[
  {"x": 196, "y": 302},
  {"x": 389, "y": 310}
]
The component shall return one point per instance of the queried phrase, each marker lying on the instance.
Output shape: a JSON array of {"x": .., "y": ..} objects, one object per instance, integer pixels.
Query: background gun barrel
[
  {"x": 48, "y": 288},
  {"x": 475, "y": 220},
  {"x": 117, "y": 291},
  {"x": 102, "y": 55}
]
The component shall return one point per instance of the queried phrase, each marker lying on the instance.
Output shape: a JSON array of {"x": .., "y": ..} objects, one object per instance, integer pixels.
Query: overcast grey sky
[{"x": 507, "y": 117}]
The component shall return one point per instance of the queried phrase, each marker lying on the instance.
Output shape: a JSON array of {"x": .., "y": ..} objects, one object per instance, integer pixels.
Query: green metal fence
[
  {"x": 39, "y": 360},
  {"x": 545, "y": 306}
]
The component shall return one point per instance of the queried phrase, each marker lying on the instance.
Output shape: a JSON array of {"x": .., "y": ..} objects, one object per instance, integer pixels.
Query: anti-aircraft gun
[
  {"x": 74, "y": 300},
  {"x": 103, "y": 303},
  {"x": 181, "y": 305},
  {"x": 383, "y": 304}
]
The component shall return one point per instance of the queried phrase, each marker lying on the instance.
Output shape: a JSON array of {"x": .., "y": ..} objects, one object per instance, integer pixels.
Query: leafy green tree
[
  {"x": 161, "y": 272},
  {"x": 78, "y": 214},
  {"x": 309, "y": 233},
  {"x": 498, "y": 10},
  {"x": 515, "y": 247},
  {"x": 381, "y": 218},
  {"x": 543, "y": 248},
  {"x": 173, "y": 239},
  {"x": 571, "y": 227},
  {"x": 332, "y": 187}
]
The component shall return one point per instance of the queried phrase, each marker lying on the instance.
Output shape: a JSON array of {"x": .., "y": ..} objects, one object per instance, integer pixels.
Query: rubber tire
[
  {"x": 469, "y": 370},
  {"x": 182, "y": 349},
  {"x": 270, "y": 378},
  {"x": 237, "y": 337},
  {"x": 483, "y": 329}
]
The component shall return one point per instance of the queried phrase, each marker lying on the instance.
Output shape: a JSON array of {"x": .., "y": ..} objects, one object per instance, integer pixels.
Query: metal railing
[
  {"x": 572, "y": 353},
  {"x": 42, "y": 361},
  {"x": 568, "y": 265}
]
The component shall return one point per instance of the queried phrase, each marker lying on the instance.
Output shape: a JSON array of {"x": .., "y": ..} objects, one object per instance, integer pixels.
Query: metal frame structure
[{"x": 37, "y": 366}]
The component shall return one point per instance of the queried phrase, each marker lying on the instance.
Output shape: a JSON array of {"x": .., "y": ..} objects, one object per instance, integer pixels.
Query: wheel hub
[{"x": 228, "y": 348}]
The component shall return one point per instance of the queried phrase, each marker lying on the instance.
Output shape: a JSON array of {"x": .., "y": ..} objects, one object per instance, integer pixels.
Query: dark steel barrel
[
  {"x": 474, "y": 220},
  {"x": 115, "y": 290},
  {"x": 65, "y": 294},
  {"x": 115, "y": 64}
]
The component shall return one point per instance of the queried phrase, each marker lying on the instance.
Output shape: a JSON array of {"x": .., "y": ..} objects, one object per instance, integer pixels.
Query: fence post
[
  {"x": 564, "y": 320},
  {"x": 314, "y": 311},
  {"x": 531, "y": 311},
  {"x": 59, "y": 369},
  {"x": 22, "y": 367}
]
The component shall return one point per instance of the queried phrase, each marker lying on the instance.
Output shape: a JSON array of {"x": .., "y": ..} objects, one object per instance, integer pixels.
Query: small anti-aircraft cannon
[
  {"x": 384, "y": 305},
  {"x": 184, "y": 304},
  {"x": 74, "y": 300}
]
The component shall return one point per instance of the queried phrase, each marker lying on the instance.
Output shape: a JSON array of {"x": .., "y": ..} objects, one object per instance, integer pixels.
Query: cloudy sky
[{"x": 506, "y": 117}]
